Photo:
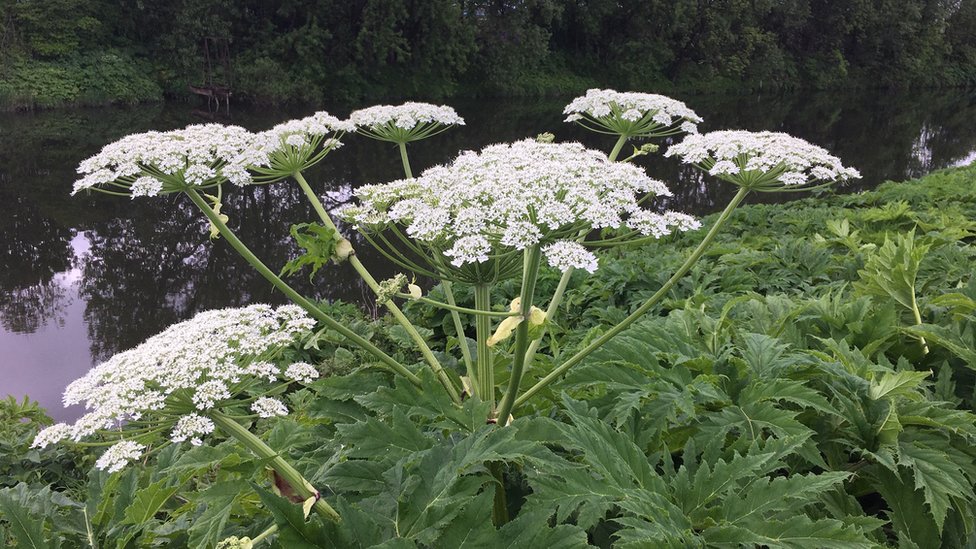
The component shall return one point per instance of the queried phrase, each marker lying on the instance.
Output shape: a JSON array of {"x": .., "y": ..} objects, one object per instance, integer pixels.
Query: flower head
[
  {"x": 505, "y": 199},
  {"x": 404, "y": 123},
  {"x": 632, "y": 114},
  {"x": 119, "y": 455},
  {"x": 269, "y": 407},
  {"x": 296, "y": 145},
  {"x": 154, "y": 163},
  {"x": 764, "y": 161},
  {"x": 175, "y": 377}
]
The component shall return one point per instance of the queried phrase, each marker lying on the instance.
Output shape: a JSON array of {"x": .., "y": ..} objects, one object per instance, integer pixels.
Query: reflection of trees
[
  {"x": 33, "y": 248},
  {"x": 158, "y": 266},
  {"x": 25, "y": 310}
]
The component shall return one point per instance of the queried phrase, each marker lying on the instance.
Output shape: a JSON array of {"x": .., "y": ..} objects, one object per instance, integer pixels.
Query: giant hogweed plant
[{"x": 449, "y": 447}]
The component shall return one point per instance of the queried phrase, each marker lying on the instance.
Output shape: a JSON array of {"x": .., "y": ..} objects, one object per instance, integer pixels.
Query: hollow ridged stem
[
  {"x": 459, "y": 328},
  {"x": 557, "y": 298},
  {"x": 530, "y": 272},
  {"x": 293, "y": 295},
  {"x": 263, "y": 535},
  {"x": 653, "y": 300},
  {"x": 405, "y": 160},
  {"x": 398, "y": 315},
  {"x": 482, "y": 324},
  {"x": 291, "y": 475},
  {"x": 617, "y": 147}
]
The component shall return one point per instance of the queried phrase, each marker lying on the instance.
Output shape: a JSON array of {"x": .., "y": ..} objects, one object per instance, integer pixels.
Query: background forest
[{"x": 62, "y": 52}]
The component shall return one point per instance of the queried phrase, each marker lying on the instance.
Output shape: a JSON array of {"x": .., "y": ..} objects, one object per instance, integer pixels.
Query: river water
[{"x": 84, "y": 277}]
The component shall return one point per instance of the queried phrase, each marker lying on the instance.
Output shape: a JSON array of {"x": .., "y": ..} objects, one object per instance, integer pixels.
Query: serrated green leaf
[
  {"x": 472, "y": 528},
  {"x": 778, "y": 494},
  {"x": 894, "y": 384},
  {"x": 947, "y": 338},
  {"x": 797, "y": 532},
  {"x": 319, "y": 243},
  {"x": 913, "y": 527},
  {"x": 938, "y": 476},
  {"x": 357, "y": 475},
  {"x": 207, "y": 528},
  {"x": 531, "y": 529},
  {"x": 148, "y": 501},
  {"x": 693, "y": 492},
  {"x": 892, "y": 269},
  {"x": 293, "y": 532},
  {"x": 28, "y": 530},
  {"x": 381, "y": 442}
]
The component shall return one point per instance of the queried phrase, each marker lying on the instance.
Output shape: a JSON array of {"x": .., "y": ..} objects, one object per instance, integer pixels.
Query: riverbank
[{"x": 116, "y": 78}]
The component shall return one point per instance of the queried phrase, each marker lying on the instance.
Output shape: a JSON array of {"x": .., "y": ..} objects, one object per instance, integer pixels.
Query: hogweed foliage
[{"x": 442, "y": 442}]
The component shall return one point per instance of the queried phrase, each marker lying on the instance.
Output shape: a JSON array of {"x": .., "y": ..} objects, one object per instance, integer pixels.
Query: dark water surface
[{"x": 83, "y": 278}]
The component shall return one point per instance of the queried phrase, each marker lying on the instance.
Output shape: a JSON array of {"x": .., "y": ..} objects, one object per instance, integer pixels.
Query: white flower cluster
[
  {"x": 301, "y": 372},
  {"x": 119, "y": 455},
  {"x": 512, "y": 196},
  {"x": 269, "y": 407},
  {"x": 191, "y": 427},
  {"x": 654, "y": 111},
  {"x": 405, "y": 117},
  {"x": 199, "y": 362},
  {"x": 151, "y": 163},
  {"x": 742, "y": 156},
  {"x": 299, "y": 133}
]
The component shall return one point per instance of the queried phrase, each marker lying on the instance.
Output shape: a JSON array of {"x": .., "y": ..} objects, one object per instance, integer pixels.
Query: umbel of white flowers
[
  {"x": 153, "y": 163},
  {"x": 172, "y": 379},
  {"x": 762, "y": 161},
  {"x": 631, "y": 114},
  {"x": 489, "y": 204},
  {"x": 207, "y": 155},
  {"x": 404, "y": 123}
]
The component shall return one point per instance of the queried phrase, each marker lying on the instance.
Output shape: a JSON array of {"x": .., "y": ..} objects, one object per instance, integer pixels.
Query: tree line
[{"x": 347, "y": 50}]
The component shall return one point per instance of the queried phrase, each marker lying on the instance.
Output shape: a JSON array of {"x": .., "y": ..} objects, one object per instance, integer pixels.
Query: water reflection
[{"x": 96, "y": 275}]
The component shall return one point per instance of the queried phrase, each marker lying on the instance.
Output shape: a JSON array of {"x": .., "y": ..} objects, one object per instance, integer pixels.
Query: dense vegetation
[
  {"x": 57, "y": 52},
  {"x": 785, "y": 395}
]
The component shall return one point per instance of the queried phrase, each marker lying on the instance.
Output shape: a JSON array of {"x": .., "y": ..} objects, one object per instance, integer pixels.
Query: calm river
[{"x": 83, "y": 278}]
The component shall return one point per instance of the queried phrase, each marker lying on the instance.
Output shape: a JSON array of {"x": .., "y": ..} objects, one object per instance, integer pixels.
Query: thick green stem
[
  {"x": 482, "y": 324},
  {"x": 282, "y": 467},
  {"x": 530, "y": 272},
  {"x": 557, "y": 298},
  {"x": 263, "y": 535},
  {"x": 374, "y": 286},
  {"x": 406, "y": 161},
  {"x": 653, "y": 300},
  {"x": 459, "y": 328},
  {"x": 617, "y": 147},
  {"x": 918, "y": 322},
  {"x": 293, "y": 295}
]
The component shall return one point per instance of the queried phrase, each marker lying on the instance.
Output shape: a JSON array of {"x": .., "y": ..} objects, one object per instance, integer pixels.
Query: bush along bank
[{"x": 82, "y": 80}]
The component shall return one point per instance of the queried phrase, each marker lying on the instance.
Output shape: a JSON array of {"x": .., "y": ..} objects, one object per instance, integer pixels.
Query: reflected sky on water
[{"x": 85, "y": 277}]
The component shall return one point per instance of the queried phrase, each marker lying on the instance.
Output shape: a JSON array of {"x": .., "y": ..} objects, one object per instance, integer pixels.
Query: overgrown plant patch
[{"x": 587, "y": 370}]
